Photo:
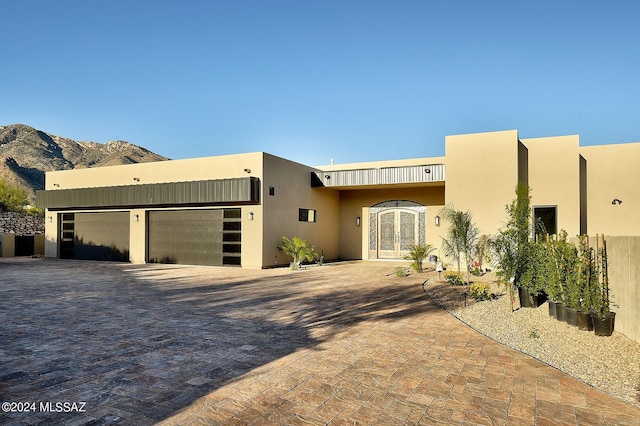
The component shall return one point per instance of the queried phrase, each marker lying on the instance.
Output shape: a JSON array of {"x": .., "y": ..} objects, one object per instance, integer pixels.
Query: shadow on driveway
[{"x": 137, "y": 343}]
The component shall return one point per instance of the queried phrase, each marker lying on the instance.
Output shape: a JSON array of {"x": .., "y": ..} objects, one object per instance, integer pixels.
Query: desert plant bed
[{"x": 610, "y": 364}]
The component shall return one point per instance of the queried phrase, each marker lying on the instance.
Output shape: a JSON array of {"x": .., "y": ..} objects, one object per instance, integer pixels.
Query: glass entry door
[{"x": 397, "y": 232}]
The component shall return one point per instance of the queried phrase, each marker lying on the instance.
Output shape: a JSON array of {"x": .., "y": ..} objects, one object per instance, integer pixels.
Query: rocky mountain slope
[{"x": 26, "y": 153}]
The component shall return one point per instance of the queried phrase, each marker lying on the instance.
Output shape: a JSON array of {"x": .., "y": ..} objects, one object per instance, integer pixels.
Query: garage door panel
[
  {"x": 101, "y": 236},
  {"x": 191, "y": 237}
]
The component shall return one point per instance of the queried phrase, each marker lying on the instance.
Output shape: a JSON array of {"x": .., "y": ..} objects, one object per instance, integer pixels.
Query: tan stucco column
[
  {"x": 50, "y": 234},
  {"x": 137, "y": 236}
]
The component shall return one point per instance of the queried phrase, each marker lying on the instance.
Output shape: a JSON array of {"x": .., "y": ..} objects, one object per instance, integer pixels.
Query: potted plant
[
  {"x": 515, "y": 255},
  {"x": 533, "y": 278},
  {"x": 603, "y": 318},
  {"x": 554, "y": 288},
  {"x": 588, "y": 276}
]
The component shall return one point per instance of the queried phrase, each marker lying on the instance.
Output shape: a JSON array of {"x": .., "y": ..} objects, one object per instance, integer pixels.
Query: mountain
[{"x": 26, "y": 153}]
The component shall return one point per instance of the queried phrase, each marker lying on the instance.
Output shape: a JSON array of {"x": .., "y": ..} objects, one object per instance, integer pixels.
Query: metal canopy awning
[
  {"x": 427, "y": 173},
  {"x": 234, "y": 191}
]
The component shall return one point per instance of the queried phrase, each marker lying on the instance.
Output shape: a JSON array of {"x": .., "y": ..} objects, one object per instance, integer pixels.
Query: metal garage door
[
  {"x": 95, "y": 236},
  {"x": 194, "y": 237}
]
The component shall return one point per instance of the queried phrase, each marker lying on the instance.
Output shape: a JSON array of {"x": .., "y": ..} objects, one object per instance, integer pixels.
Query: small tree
[
  {"x": 298, "y": 249},
  {"x": 514, "y": 255},
  {"x": 461, "y": 236},
  {"x": 481, "y": 250},
  {"x": 12, "y": 197},
  {"x": 418, "y": 254}
]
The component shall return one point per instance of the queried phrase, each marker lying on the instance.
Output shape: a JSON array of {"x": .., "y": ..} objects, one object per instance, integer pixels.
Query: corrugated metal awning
[
  {"x": 208, "y": 192},
  {"x": 380, "y": 176}
]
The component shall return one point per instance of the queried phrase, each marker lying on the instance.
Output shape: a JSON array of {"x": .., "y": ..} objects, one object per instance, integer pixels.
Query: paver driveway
[{"x": 347, "y": 343}]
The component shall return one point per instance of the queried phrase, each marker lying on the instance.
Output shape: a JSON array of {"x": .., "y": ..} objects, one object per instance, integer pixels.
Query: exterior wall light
[
  {"x": 437, "y": 220},
  {"x": 137, "y": 179},
  {"x": 247, "y": 170},
  {"x": 616, "y": 201},
  {"x": 50, "y": 219},
  {"x": 136, "y": 218},
  {"x": 57, "y": 185},
  {"x": 357, "y": 220},
  {"x": 250, "y": 215}
]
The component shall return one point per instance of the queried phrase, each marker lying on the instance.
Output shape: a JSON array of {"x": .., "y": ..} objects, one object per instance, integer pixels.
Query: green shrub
[
  {"x": 453, "y": 278},
  {"x": 400, "y": 271},
  {"x": 480, "y": 291}
]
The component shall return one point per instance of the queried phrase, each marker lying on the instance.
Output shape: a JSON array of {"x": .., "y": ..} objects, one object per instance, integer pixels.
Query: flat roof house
[{"x": 234, "y": 209}]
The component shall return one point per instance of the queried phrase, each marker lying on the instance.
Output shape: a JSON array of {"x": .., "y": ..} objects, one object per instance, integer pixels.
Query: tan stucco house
[{"x": 234, "y": 209}]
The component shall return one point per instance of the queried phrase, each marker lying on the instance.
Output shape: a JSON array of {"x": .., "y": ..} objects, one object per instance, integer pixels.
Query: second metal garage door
[{"x": 194, "y": 237}]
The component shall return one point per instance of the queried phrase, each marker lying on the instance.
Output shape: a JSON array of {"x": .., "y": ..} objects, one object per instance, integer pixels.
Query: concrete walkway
[{"x": 345, "y": 343}]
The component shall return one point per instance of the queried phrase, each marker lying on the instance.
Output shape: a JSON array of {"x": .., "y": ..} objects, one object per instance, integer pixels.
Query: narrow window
[
  {"x": 306, "y": 215},
  {"x": 545, "y": 220}
]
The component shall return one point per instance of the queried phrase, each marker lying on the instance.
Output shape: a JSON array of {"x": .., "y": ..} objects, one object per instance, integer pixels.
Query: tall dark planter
[
  {"x": 603, "y": 324},
  {"x": 561, "y": 312},
  {"x": 529, "y": 300},
  {"x": 572, "y": 316},
  {"x": 552, "y": 308},
  {"x": 584, "y": 321}
]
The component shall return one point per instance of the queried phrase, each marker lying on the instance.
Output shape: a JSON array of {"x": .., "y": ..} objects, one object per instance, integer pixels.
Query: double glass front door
[{"x": 397, "y": 232}]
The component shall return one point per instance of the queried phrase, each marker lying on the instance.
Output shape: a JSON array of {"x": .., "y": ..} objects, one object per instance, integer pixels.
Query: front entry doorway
[
  {"x": 395, "y": 227},
  {"x": 398, "y": 232}
]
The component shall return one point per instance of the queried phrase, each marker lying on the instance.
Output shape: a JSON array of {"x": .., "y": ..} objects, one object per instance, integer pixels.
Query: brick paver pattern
[{"x": 346, "y": 343}]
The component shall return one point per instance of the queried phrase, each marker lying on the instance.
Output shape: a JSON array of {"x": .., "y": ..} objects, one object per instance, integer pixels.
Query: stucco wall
[
  {"x": 482, "y": 174},
  {"x": 554, "y": 178},
  {"x": 224, "y": 166},
  {"x": 624, "y": 283},
  {"x": 291, "y": 183},
  {"x": 613, "y": 172}
]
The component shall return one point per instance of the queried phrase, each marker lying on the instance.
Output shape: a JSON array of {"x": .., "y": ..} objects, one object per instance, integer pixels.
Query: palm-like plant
[
  {"x": 461, "y": 236},
  {"x": 418, "y": 254},
  {"x": 298, "y": 249}
]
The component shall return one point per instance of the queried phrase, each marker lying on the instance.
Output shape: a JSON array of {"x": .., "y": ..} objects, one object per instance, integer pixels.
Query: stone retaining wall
[{"x": 20, "y": 224}]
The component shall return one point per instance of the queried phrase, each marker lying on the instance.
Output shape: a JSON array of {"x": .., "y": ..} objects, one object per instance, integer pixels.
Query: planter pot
[
  {"x": 572, "y": 316},
  {"x": 530, "y": 301},
  {"x": 561, "y": 312},
  {"x": 552, "y": 308},
  {"x": 584, "y": 321},
  {"x": 603, "y": 324}
]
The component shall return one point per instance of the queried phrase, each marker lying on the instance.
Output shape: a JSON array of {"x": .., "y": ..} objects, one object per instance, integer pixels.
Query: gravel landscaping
[{"x": 610, "y": 364}]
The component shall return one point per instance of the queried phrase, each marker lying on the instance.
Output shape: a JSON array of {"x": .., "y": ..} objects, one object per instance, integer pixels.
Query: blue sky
[{"x": 315, "y": 80}]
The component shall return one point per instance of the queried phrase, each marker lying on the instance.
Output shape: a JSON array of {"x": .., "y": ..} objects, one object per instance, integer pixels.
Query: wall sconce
[
  {"x": 437, "y": 220},
  {"x": 247, "y": 170},
  {"x": 50, "y": 219},
  {"x": 357, "y": 220},
  {"x": 136, "y": 218},
  {"x": 57, "y": 185},
  {"x": 250, "y": 215},
  {"x": 136, "y": 179},
  {"x": 427, "y": 170},
  {"x": 616, "y": 201},
  {"x": 327, "y": 176}
]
